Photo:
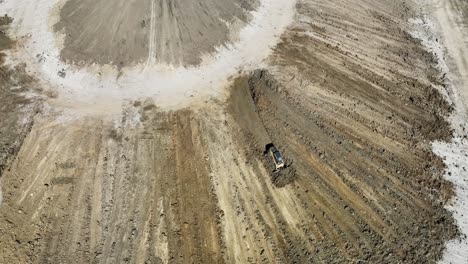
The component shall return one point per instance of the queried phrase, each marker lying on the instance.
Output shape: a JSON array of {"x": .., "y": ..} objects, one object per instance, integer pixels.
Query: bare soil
[
  {"x": 348, "y": 97},
  {"x": 15, "y": 109},
  {"x": 124, "y": 33},
  {"x": 356, "y": 111},
  {"x": 348, "y": 176}
]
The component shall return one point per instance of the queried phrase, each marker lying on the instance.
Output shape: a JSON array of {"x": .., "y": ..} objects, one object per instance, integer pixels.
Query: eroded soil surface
[{"x": 348, "y": 97}]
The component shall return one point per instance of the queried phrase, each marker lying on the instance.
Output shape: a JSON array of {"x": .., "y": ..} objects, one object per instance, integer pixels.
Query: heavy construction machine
[{"x": 273, "y": 153}]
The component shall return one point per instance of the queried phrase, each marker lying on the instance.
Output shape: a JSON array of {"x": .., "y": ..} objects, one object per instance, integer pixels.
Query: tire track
[{"x": 151, "y": 38}]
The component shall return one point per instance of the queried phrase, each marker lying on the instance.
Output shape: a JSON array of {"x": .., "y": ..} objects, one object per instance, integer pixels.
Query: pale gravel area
[
  {"x": 105, "y": 88},
  {"x": 456, "y": 158},
  {"x": 440, "y": 31}
]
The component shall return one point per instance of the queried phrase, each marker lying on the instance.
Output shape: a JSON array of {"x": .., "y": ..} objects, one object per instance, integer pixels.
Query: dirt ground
[
  {"x": 348, "y": 96},
  {"x": 452, "y": 17},
  {"x": 94, "y": 199},
  {"x": 124, "y": 33},
  {"x": 16, "y": 111}
]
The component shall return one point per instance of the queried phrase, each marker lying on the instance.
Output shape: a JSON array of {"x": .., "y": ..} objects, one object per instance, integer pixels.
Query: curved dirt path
[{"x": 166, "y": 84}]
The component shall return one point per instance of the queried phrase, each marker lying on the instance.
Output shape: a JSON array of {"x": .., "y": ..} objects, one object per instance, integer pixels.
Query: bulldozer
[{"x": 273, "y": 153}]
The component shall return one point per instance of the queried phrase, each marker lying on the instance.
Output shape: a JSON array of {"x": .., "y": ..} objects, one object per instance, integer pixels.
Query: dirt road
[
  {"x": 16, "y": 111},
  {"x": 452, "y": 18},
  {"x": 349, "y": 97}
]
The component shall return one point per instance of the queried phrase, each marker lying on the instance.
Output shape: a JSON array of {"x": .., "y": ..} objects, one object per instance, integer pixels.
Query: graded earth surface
[
  {"x": 126, "y": 32},
  {"x": 135, "y": 131}
]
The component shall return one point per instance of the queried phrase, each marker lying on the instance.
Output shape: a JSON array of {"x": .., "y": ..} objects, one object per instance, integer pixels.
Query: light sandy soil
[
  {"x": 105, "y": 87},
  {"x": 158, "y": 164},
  {"x": 16, "y": 111},
  {"x": 452, "y": 20},
  {"x": 447, "y": 37}
]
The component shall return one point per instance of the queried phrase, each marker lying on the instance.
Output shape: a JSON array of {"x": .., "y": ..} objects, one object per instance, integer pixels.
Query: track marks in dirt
[
  {"x": 255, "y": 229},
  {"x": 93, "y": 192},
  {"x": 125, "y": 33},
  {"x": 356, "y": 111},
  {"x": 353, "y": 108},
  {"x": 16, "y": 111},
  {"x": 151, "y": 38}
]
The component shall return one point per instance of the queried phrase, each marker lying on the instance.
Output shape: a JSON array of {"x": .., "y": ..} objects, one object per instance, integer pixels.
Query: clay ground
[{"x": 348, "y": 96}]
